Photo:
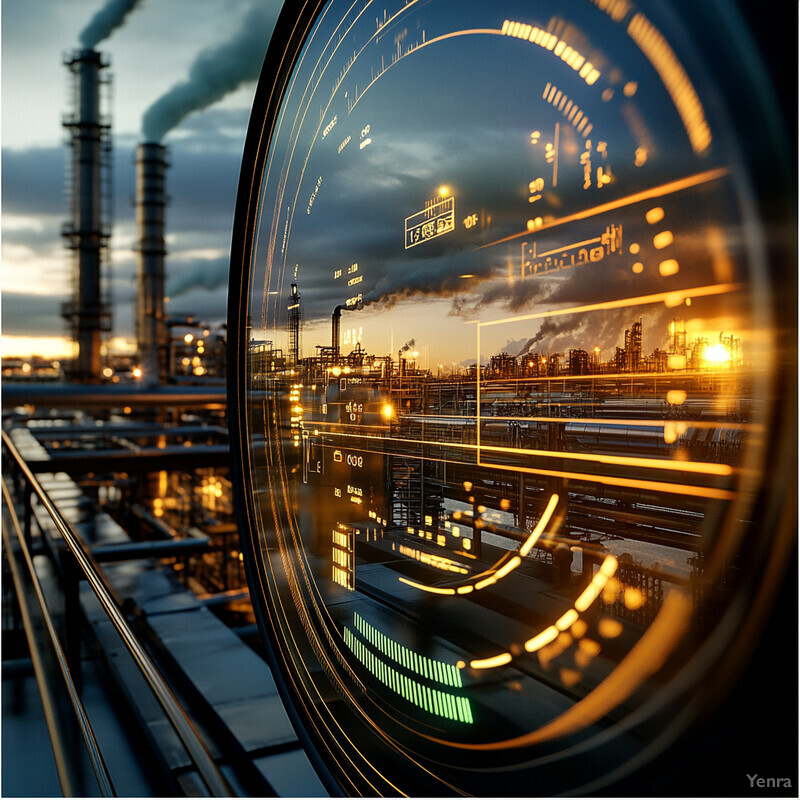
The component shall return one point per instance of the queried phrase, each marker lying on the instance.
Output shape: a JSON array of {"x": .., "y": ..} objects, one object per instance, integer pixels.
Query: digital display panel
[{"x": 508, "y": 357}]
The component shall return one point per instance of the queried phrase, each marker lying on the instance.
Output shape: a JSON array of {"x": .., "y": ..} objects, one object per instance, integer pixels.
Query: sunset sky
[
  {"x": 367, "y": 193},
  {"x": 441, "y": 101}
]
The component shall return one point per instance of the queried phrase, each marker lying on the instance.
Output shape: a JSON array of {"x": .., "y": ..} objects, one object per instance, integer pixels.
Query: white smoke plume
[
  {"x": 106, "y": 21},
  {"x": 208, "y": 274},
  {"x": 215, "y": 73}
]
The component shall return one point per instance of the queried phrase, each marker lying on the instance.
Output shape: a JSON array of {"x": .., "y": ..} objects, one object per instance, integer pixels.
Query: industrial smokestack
[
  {"x": 86, "y": 233},
  {"x": 294, "y": 325},
  {"x": 151, "y": 332},
  {"x": 336, "y": 324}
]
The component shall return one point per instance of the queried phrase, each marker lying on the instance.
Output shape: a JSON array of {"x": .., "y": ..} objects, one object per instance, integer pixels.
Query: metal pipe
[
  {"x": 336, "y": 322},
  {"x": 207, "y": 768},
  {"x": 160, "y": 548},
  {"x": 151, "y": 331},
  {"x": 167, "y": 531},
  {"x": 85, "y": 231},
  {"x": 115, "y": 396},
  {"x": 223, "y": 598},
  {"x": 152, "y": 459}
]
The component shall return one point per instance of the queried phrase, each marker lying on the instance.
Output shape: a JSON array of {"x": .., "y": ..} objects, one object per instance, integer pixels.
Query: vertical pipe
[
  {"x": 336, "y": 321},
  {"x": 294, "y": 325},
  {"x": 85, "y": 232},
  {"x": 150, "y": 201}
]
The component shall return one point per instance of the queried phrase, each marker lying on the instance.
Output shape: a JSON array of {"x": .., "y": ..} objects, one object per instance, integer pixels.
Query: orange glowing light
[
  {"x": 540, "y": 526},
  {"x": 488, "y": 663},
  {"x": 653, "y": 44},
  {"x": 567, "y": 620},
  {"x": 662, "y": 240},
  {"x": 592, "y": 591},
  {"x": 540, "y": 640},
  {"x": 648, "y": 194},
  {"x": 609, "y": 628},
  {"x": 669, "y": 267},
  {"x": 716, "y": 354}
]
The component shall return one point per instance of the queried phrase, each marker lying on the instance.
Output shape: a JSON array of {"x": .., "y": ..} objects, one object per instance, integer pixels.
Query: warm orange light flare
[{"x": 716, "y": 355}]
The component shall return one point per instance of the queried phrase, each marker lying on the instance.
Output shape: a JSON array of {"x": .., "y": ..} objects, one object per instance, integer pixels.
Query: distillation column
[
  {"x": 294, "y": 325},
  {"x": 151, "y": 332},
  {"x": 85, "y": 233}
]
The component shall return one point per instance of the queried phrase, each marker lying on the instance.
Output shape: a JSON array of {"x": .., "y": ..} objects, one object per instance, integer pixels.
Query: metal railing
[{"x": 84, "y": 566}]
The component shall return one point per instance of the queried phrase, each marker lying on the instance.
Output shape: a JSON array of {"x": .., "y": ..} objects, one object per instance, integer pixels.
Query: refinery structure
[
  {"x": 687, "y": 401},
  {"x": 135, "y": 656},
  {"x": 133, "y": 449}
]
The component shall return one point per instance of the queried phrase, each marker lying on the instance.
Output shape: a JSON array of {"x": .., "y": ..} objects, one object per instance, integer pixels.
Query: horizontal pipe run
[
  {"x": 82, "y": 396},
  {"x": 130, "y": 551},
  {"x": 134, "y": 461},
  {"x": 166, "y": 531}
]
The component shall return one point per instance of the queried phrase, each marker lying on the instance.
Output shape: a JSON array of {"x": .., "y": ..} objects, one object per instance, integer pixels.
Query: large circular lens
[{"x": 506, "y": 388}]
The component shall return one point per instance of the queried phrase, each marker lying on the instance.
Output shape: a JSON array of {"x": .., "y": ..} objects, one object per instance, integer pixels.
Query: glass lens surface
[{"x": 507, "y": 359}]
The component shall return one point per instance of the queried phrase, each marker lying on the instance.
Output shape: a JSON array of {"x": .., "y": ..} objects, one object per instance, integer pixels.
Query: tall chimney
[
  {"x": 336, "y": 324},
  {"x": 151, "y": 332},
  {"x": 294, "y": 325},
  {"x": 86, "y": 233}
]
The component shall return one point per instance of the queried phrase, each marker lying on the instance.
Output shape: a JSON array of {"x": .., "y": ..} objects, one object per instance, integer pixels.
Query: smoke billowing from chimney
[
  {"x": 106, "y": 21},
  {"x": 551, "y": 329},
  {"x": 216, "y": 72},
  {"x": 209, "y": 274},
  {"x": 408, "y": 345}
]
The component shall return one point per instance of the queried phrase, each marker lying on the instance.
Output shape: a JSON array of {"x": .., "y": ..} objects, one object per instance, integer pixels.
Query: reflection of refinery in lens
[
  {"x": 576, "y": 486},
  {"x": 451, "y": 472}
]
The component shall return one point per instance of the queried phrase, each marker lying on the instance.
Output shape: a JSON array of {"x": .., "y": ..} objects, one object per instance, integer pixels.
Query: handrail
[
  {"x": 92, "y": 748},
  {"x": 198, "y": 753}
]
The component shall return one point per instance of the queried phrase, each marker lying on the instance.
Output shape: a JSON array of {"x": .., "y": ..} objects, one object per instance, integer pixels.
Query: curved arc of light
[
  {"x": 502, "y": 567},
  {"x": 644, "y": 659},
  {"x": 584, "y": 601}
]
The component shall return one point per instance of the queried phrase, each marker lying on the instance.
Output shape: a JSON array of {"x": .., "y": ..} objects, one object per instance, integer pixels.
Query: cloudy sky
[
  {"x": 489, "y": 153},
  {"x": 441, "y": 100},
  {"x": 160, "y": 56}
]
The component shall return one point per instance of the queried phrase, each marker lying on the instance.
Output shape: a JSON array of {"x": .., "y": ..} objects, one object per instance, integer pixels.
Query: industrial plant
[
  {"x": 133, "y": 451},
  {"x": 273, "y": 556}
]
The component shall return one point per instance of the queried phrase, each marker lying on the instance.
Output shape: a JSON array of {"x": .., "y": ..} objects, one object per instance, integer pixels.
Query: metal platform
[{"x": 223, "y": 687}]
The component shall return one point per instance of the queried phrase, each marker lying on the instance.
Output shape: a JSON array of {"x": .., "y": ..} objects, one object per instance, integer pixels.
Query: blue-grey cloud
[
  {"x": 206, "y": 273},
  {"x": 33, "y": 181},
  {"x": 210, "y": 307},
  {"x": 27, "y": 314}
]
